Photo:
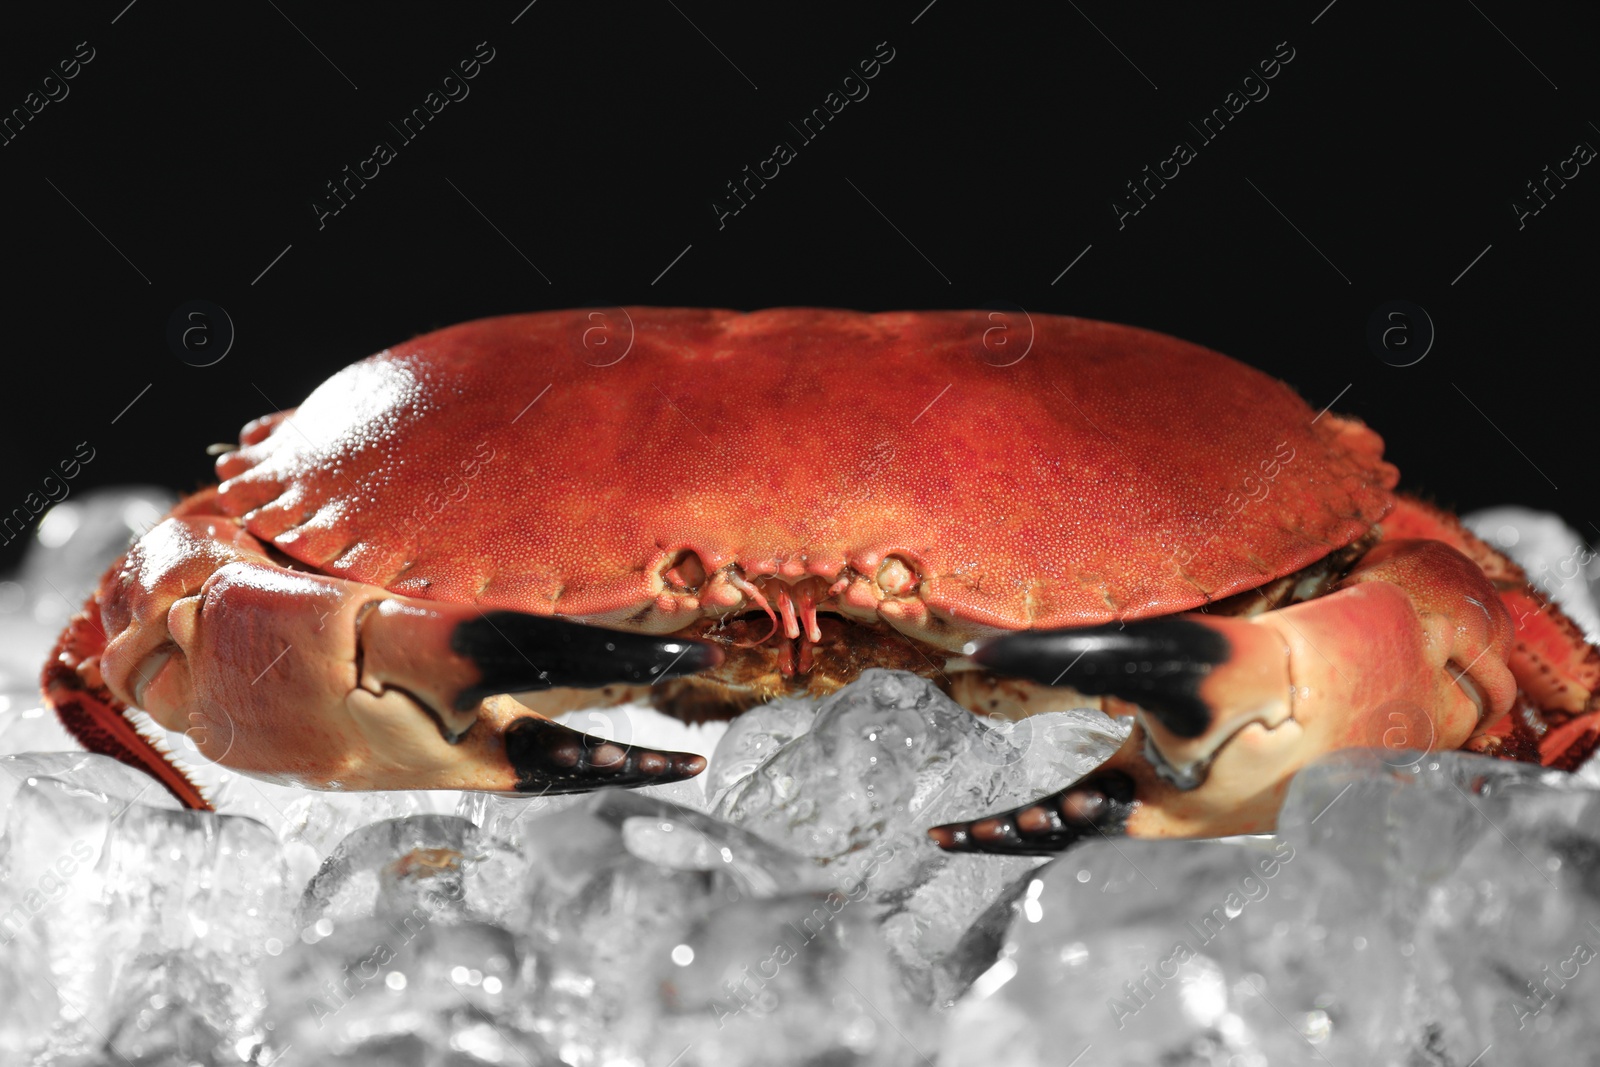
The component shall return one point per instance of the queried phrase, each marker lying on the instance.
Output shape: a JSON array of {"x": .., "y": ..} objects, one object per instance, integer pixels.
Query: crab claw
[
  {"x": 330, "y": 683},
  {"x": 502, "y": 645},
  {"x": 552, "y": 758},
  {"x": 1097, "y": 803},
  {"x": 1158, "y": 664},
  {"x": 1410, "y": 652},
  {"x": 451, "y": 658},
  {"x": 1191, "y": 690},
  {"x": 1193, "y": 681}
]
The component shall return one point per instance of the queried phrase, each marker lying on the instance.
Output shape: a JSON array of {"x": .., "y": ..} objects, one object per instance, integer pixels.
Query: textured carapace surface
[{"x": 517, "y": 462}]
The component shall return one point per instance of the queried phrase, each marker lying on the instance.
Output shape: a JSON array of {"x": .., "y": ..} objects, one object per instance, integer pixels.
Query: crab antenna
[{"x": 749, "y": 590}]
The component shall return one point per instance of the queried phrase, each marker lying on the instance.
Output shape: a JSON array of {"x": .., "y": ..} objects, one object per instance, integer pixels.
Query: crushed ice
[{"x": 785, "y": 907}]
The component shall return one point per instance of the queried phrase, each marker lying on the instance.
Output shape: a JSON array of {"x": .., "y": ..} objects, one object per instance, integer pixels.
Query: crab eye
[
  {"x": 896, "y": 577},
  {"x": 685, "y": 573}
]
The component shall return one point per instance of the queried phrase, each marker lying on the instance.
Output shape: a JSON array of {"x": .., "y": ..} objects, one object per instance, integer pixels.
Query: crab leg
[
  {"x": 1411, "y": 651},
  {"x": 1556, "y": 667},
  {"x": 336, "y": 684}
]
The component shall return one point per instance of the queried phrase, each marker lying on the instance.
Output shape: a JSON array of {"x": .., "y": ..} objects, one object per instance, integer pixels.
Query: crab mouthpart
[{"x": 795, "y": 615}]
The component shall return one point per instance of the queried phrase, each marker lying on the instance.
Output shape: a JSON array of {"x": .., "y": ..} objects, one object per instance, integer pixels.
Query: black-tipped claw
[
  {"x": 1156, "y": 663},
  {"x": 551, "y": 758},
  {"x": 517, "y": 653},
  {"x": 1095, "y": 805}
]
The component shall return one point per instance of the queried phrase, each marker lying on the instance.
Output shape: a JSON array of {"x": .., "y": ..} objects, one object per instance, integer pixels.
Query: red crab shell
[{"x": 1110, "y": 473}]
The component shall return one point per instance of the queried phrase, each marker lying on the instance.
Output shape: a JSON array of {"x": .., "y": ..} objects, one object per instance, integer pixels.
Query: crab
[{"x": 404, "y": 581}]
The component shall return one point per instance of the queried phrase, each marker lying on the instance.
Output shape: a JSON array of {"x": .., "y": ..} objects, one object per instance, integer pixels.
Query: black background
[{"x": 984, "y": 161}]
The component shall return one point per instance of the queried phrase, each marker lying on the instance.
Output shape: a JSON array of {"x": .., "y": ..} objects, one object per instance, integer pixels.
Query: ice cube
[
  {"x": 888, "y": 757},
  {"x": 1417, "y": 907},
  {"x": 504, "y": 817},
  {"x": 172, "y": 1009},
  {"x": 95, "y": 890},
  {"x": 1491, "y": 868},
  {"x": 794, "y": 979},
  {"x": 607, "y": 882},
  {"x": 1242, "y": 951},
  {"x": 751, "y": 738},
  {"x": 409, "y": 991},
  {"x": 1406, "y": 817},
  {"x": 87, "y": 772},
  {"x": 389, "y": 869},
  {"x": 310, "y": 824},
  {"x": 27, "y": 726},
  {"x": 31, "y": 1003}
]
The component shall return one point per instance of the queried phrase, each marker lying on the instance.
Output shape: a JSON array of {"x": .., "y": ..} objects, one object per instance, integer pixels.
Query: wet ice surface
[
  {"x": 885, "y": 759},
  {"x": 128, "y": 925},
  {"x": 1412, "y": 909},
  {"x": 785, "y": 907}
]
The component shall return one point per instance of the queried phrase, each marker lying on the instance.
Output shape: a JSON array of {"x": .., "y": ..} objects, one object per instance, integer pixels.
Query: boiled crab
[{"x": 755, "y": 504}]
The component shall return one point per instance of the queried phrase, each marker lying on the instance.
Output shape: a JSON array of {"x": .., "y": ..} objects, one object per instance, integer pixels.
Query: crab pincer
[
  {"x": 515, "y": 652},
  {"x": 336, "y": 684},
  {"x": 1411, "y": 650}
]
